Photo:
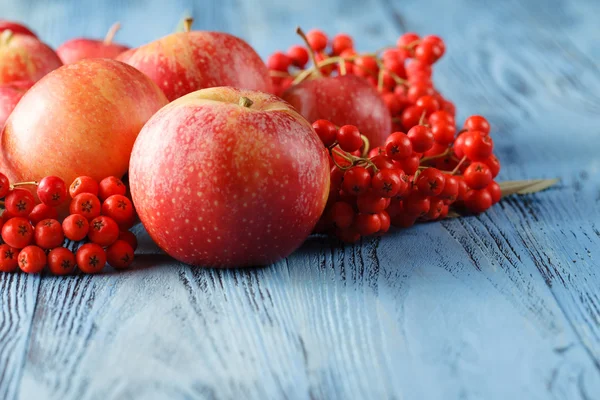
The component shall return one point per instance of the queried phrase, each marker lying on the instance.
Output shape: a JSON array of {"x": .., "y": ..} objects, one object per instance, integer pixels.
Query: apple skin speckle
[{"x": 252, "y": 182}]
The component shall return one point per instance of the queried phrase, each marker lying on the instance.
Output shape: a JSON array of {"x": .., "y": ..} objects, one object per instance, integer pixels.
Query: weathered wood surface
[{"x": 505, "y": 305}]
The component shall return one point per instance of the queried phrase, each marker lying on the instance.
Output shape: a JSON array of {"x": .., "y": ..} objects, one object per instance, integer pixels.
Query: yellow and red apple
[
  {"x": 10, "y": 94},
  {"x": 81, "y": 48},
  {"x": 225, "y": 177}
]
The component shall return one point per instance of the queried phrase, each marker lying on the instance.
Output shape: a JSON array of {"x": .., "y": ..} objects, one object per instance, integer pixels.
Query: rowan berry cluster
[
  {"x": 98, "y": 226},
  {"x": 407, "y": 180}
]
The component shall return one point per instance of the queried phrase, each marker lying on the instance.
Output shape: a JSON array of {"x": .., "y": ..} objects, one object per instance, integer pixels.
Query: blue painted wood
[{"x": 505, "y": 305}]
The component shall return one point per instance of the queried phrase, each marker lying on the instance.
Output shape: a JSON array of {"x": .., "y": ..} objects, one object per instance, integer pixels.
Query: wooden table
[{"x": 501, "y": 306}]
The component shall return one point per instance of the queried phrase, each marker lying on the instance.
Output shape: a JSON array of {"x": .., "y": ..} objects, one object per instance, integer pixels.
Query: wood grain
[{"x": 503, "y": 305}]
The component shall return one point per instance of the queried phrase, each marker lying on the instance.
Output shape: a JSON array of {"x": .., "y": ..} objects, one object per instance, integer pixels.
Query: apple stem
[
  {"x": 245, "y": 102},
  {"x": 187, "y": 24},
  {"x": 111, "y": 33},
  {"x": 311, "y": 52}
]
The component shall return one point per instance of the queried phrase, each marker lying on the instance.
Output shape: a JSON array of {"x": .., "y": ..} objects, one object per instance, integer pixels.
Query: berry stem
[
  {"x": 311, "y": 52},
  {"x": 111, "y": 33},
  {"x": 455, "y": 170},
  {"x": 365, "y": 147},
  {"x": 441, "y": 155},
  {"x": 29, "y": 183}
]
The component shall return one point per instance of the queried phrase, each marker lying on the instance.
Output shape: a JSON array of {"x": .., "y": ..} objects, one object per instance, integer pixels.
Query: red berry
[
  {"x": 348, "y": 136},
  {"x": 19, "y": 202},
  {"x": 317, "y": 40},
  {"x": 429, "y": 51},
  {"x": 494, "y": 165},
  {"x": 42, "y": 211},
  {"x": 386, "y": 182},
  {"x": 478, "y": 175},
  {"x": 416, "y": 204},
  {"x": 435, "y": 209},
  {"x": 459, "y": 144},
  {"x": 342, "y": 214},
  {"x": 17, "y": 232},
  {"x": 75, "y": 227},
  {"x": 407, "y": 39},
  {"x": 410, "y": 165},
  {"x": 495, "y": 192},
  {"x": 357, "y": 180},
  {"x": 477, "y": 123},
  {"x": 83, "y": 184},
  {"x": 4, "y": 185},
  {"x": 368, "y": 224},
  {"x": 441, "y": 117},
  {"x": 326, "y": 131},
  {"x": 418, "y": 90},
  {"x": 298, "y": 55},
  {"x": 398, "y": 146},
  {"x": 52, "y": 191},
  {"x": 431, "y": 182},
  {"x": 278, "y": 62},
  {"x": 392, "y": 102},
  {"x": 348, "y": 235},
  {"x": 109, "y": 186},
  {"x": 366, "y": 66},
  {"x": 130, "y": 238},
  {"x": 340, "y": 43},
  {"x": 336, "y": 178},
  {"x": 436, "y": 149},
  {"x": 120, "y": 209},
  {"x": 383, "y": 162},
  {"x": 61, "y": 261},
  {"x": 449, "y": 107},
  {"x": 32, "y": 260},
  {"x": 120, "y": 254},
  {"x": 103, "y": 231},
  {"x": 450, "y": 192},
  {"x": 478, "y": 147},
  {"x": 49, "y": 234},
  {"x": 385, "y": 222},
  {"x": 85, "y": 204},
  {"x": 419, "y": 72},
  {"x": 443, "y": 132},
  {"x": 404, "y": 220},
  {"x": 411, "y": 116},
  {"x": 8, "y": 258},
  {"x": 371, "y": 203},
  {"x": 477, "y": 201},
  {"x": 463, "y": 188},
  {"x": 429, "y": 104},
  {"x": 421, "y": 138},
  {"x": 91, "y": 258}
]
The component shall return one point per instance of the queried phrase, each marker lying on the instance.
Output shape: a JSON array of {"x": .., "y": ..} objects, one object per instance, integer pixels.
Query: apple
[
  {"x": 23, "y": 57},
  {"x": 81, "y": 48},
  {"x": 183, "y": 62},
  {"x": 226, "y": 177},
  {"x": 10, "y": 94},
  {"x": 15, "y": 27},
  {"x": 343, "y": 100},
  {"x": 81, "y": 119}
]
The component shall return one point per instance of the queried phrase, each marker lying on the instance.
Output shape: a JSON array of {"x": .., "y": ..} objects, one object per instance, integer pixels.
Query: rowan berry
[
  {"x": 326, "y": 131},
  {"x": 441, "y": 116},
  {"x": 103, "y": 231},
  {"x": 61, "y": 261},
  {"x": 120, "y": 254},
  {"x": 385, "y": 222},
  {"x": 398, "y": 146},
  {"x": 477, "y": 201},
  {"x": 393, "y": 103},
  {"x": 52, "y": 191},
  {"x": 411, "y": 116},
  {"x": 371, "y": 203},
  {"x": 429, "y": 50},
  {"x": 431, "y": 182},
  {"x": 48, "y": 234},
  {"x": 120, "y": 209},
  {"x": 450, "y": 192},
  {"x": 478, "y": 147},
  {"x": 410, "y": 165},
  {"x": 348, "y": 235},
  {"x": 407, "y": 39},
  {"x": 368, "y": 224},
  {"x": 416, "y": 203},
  {"x": 109, "y": 186},
  {"x": 85, "y": 204},
  {"x": 17, "y": 232},
  {"x": 42, "y": 211},
  {"x": 130, "y": 238},
  {"x": 4, "y": 185},
  {"x": 421, "y": 138},
  {"x": 404, "y": 220},
  {"x": 435, "y": 209},
  {"x": 463, "y": 188},
  {"x": 32, "y": 260},
  {"x": 83, "y": 184},
  {"x": 366, "y": 66},
  {"x": 477, "y": 123},
  {"x": 317, "y": 39},
  {"x": 348, "y": 137},
  {"x": 19, "y": 202},
  {"x": 478, "y": 175},
  {"x": 298, "y": 55},
  {"x": 443, "y": 132},
  {"x": 382, "y": 161},
  {"x": 75, "y": 227},
  {"x": 386, "y": 182},
  {"x": 436, "y": 149},
  {"x": 340, "y": 43},
  {"x": 495, "y": 192},
  {"x": 8, "y": 258},
  {"x": 429, "y": 103},
  {"x": 91, "y": 258},
  {"x": 357, "y": 180},
  {"x": 278, "y": 62},
  {"x": 493, "y": 163}
]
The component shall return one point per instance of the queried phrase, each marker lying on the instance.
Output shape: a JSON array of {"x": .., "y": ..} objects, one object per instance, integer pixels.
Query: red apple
[
  {"x": 81, "y": 48},
  {"x": 81, "y": 119},
  {"x": 183, "y": 62},
  {"x": 10, "y": 94},
  {"x": 226, "y": 177},
  {"x": 23, "y": 57},
  {"x": 343, "y": 100},
  {"x": 15, "y": 27}
]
